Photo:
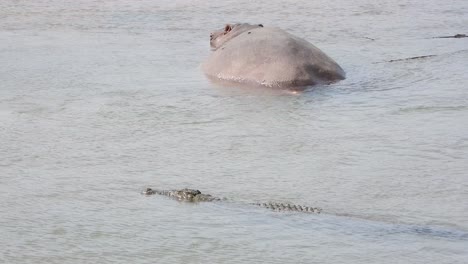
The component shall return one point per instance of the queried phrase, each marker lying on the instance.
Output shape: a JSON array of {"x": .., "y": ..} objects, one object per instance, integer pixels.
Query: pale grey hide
[{"x": 268, "y": 56}]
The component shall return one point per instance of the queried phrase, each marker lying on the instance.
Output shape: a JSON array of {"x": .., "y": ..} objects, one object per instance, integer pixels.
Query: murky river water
[{"x": 99, "y": 99}]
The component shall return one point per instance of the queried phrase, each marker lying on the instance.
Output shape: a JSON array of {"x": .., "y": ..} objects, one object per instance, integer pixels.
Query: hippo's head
[{"x": 218, "y": 38}]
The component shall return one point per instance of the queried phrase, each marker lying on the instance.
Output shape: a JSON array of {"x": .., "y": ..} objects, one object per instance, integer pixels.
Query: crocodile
[{"x": 192, "y": 195}]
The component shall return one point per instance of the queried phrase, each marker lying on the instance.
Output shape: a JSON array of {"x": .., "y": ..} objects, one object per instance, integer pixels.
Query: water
[{"x": 99, "y": 99}]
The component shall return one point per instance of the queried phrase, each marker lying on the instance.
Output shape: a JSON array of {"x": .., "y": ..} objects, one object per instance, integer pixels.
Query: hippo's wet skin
[
  {"x": 191, "y": 195},
  {"x": 267, "y": 56}
]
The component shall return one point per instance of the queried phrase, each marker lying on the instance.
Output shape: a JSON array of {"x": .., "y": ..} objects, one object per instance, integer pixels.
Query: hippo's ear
[{"x": 227, "y": 28}]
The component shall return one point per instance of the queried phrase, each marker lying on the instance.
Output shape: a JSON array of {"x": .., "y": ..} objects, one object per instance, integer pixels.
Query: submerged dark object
[
  {"x": 412, "y": 58},
  {"x": 455, "y": 36}
]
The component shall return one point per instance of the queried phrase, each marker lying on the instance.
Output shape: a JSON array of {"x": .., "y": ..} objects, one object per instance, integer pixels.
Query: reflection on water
[{"x": 101, "y": 98}]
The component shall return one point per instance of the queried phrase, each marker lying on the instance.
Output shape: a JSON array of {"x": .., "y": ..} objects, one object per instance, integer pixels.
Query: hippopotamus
[{"x": 267, "y": 56}]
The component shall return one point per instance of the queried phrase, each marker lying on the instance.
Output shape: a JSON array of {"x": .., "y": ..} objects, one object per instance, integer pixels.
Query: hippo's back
[{"x": 272, "y": 57}]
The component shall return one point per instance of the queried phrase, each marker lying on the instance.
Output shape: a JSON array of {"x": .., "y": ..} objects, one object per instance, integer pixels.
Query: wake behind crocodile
[
  {"x": 192, "y": 195},
  {"x": 384, "y": 227}
]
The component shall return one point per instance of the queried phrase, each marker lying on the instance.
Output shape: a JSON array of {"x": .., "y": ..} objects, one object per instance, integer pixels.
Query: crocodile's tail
[{"x": 289, "y": 207}]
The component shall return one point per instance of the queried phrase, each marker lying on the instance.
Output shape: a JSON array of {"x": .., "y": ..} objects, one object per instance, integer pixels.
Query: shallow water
[{"x": 99, "y": 99}]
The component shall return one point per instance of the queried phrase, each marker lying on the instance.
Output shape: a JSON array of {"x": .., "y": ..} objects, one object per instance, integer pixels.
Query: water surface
[{"x": 99, "y": 99}]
